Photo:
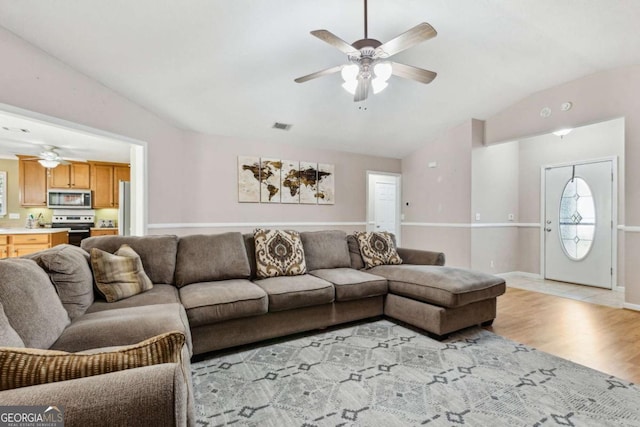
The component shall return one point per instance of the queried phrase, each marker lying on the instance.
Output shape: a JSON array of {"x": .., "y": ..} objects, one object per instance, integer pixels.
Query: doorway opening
[
  {"x": 85, "y": 141},
  {"x": 579, "y": 233},
  {"x": 383, "y": 202}
]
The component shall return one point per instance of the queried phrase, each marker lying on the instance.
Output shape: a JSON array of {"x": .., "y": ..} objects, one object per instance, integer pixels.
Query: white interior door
[
  {"x": 385, "y": 207},
  {"x": 578, "y": 223},
  {"x": 383, "y": 203}
]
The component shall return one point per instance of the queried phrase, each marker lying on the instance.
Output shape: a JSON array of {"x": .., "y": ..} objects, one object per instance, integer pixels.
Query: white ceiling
[
  {"x": 226, "y": 67},
  {"x": 70, "y": 144}
]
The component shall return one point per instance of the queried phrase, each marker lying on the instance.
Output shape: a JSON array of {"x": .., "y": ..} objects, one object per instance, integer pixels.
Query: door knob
[{"x": 548, "y": 229}]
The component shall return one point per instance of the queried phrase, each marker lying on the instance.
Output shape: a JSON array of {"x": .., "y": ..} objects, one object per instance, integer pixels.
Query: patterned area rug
[{"x": 384, "y": 374}]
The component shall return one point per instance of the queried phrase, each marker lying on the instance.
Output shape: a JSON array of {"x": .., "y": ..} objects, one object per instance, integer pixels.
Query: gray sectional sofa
[{"x": 206, "y": 287}]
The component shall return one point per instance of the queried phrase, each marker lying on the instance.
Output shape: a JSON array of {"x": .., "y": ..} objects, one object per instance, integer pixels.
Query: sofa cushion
[
  {"x": 119, "y": 275},
  {"x": 69, "y": 270},
  {"x": 354, "y": 252},
  {"x": 159, "y": 294},
  {"x": 26, "y": 367},
  {"x": 250, "y": 247},
  {"x": 205, "y": 258},
  {"x": 353, "y": 284},
  {"x": 279, "y": 253},
  {"x": 289, "y": 292},
  {"x": 8, "y": 336},
  {"x": 212, "y": 302},
  {"x": 443, "y": 286},
  {"x": 30, "y": 303},
  {"x": 123, "y": 326},
  {"x": 325, "y": 249},
  {"x": 377, "y": 248},
  {"x": 158, "y": 253}
]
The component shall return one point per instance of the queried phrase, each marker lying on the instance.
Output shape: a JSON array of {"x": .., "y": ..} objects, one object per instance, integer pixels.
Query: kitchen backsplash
[{"x": 106, "y": 215}]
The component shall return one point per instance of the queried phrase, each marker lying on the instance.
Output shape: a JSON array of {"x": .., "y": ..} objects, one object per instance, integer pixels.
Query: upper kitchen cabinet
[
  {"x": 32, "y": 179},
  {"x": 76, "y": 175},
  {"x": 105, "y": 179}
]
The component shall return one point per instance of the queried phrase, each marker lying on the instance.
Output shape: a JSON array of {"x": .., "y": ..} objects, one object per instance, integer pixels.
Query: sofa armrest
[
  {"x": 152, "y": 396},
  {"x": 420, "y": 257}
]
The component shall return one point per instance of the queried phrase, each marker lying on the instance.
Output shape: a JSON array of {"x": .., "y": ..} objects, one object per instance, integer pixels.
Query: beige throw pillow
[
  {"x": 279, "y": 253},
  {"x": 119, "y": 275},
  {"x": 22, "y": 367},
  {"x": 377, "y": 248}
]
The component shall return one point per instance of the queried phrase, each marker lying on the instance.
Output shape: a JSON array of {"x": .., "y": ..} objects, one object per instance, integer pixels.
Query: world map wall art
[{"x": 267, "y": 180}]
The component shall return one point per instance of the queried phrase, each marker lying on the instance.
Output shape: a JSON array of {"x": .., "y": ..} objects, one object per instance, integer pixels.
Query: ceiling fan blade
[
  {"x": 335, "y": 41},
  {"x": 317, "y": 74},
  {"x": 415, "y": 35},
  {"x": 362, "y": 90},
  {"x": 412, "y": 73}
]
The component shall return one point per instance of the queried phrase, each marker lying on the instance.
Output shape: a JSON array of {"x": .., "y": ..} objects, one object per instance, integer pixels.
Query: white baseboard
[
  {"x": 520, "y": 273},
  {"x": 629, "y": 306}
]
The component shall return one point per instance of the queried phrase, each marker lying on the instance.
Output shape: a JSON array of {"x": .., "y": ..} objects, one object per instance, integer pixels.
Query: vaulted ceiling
[{"x": 226, "y": 67}]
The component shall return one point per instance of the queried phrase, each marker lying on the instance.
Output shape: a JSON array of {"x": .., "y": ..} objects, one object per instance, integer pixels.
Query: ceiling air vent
[{"x": 281, "y": 126}]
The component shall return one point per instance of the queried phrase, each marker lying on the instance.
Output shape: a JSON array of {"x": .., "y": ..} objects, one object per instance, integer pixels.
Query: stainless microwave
[{"x": 69, "y": 199}]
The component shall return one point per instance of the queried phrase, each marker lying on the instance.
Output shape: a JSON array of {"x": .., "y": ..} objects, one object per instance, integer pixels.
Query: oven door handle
[{"x": 78, "y": 231}]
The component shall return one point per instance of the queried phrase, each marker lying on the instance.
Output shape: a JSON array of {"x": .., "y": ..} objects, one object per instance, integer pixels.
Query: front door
[{"x": 578, "y": 223}]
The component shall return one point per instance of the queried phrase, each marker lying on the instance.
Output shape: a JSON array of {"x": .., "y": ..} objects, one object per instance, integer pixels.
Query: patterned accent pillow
[
  {"x": 279, "y": 253},
  {"x": 377, "y": 248},
  {"x": 119, "y": 275},
  {"x": 22, "y": 367}
]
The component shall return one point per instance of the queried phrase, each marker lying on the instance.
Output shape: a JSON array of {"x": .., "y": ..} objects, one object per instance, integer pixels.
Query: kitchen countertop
[{"x": 33, "y": 230}]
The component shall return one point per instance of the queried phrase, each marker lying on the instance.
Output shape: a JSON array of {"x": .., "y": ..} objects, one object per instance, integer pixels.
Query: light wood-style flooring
[{"x": 597, "y": 336}]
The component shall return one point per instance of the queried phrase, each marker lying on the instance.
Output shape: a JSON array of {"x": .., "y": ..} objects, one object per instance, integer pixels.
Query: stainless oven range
[{"x": 79, "y": 221}]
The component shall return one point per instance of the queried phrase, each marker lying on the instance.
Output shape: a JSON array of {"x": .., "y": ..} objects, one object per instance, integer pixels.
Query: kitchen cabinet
[
  {"x": 18, "y": 244},
  {"x": 76, "y": 175},
  {"x": 104, "y": 232},
  {"x": 105, "y": 178},
  {"x": 32, "y": 180}
]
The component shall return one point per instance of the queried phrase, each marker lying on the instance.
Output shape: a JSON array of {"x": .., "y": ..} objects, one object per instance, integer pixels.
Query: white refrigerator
[{"x": 124, "y": 211}]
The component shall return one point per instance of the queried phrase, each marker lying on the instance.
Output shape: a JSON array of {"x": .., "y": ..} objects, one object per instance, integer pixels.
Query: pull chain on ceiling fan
[{"x": 368, "y": 66}]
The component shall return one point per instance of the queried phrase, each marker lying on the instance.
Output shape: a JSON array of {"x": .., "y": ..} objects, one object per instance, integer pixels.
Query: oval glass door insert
[{"x": 577, "y": 225}]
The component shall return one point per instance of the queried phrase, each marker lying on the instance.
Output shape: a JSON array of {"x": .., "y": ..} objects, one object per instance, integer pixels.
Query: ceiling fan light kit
[
  {"x": 49, "y": 164},
  {"x": 49, "y": 158},
  {"x": 369, "y": 67}
]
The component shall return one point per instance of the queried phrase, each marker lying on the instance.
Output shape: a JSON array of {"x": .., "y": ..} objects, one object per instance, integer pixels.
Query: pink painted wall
[
  {"x": 440, "y": 195},
  {"x": 191, "y": 177}
]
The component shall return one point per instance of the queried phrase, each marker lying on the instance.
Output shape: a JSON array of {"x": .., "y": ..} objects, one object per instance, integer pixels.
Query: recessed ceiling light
[
  {"x": 562, "y": 132},
  {"x": 21, "y": 130}
]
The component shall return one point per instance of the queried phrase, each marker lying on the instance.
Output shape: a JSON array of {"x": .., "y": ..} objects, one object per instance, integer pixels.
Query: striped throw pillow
[
  {"x": 119, "y": 275},
  {"x": 22, "y": 367}
]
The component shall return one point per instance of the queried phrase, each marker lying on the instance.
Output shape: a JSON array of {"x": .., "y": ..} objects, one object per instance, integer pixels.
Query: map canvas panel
[
  {"x": 290, "y": 181},
  {"x": 308, "y": 183},
  {"x": 270, "y": 180},
  {"x": 326, "y": 184},
  {"x": 248, "y": 179}
]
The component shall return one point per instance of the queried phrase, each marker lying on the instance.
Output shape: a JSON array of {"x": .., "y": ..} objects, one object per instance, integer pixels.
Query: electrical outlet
[
  {"x": 511, "y": 217},
  {"x": 477, "y": 217},
  {"x": 492, "y": 264},
  {"x": 14, "y": 216}
]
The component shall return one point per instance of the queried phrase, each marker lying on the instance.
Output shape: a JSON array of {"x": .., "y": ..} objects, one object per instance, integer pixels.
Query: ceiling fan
[
  {"x": 49, "y": 157},
  {"x": 368, "y": 66}
]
